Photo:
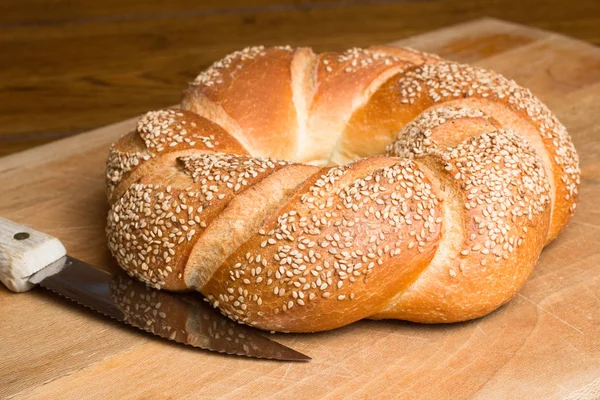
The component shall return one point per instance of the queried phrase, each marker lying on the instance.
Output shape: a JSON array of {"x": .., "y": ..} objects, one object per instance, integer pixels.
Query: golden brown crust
[
  {"x": 258, "y": 99},
  {"x": 344, "y": 82},
  {"x": 436, "y": 84},
  {"x": 160, "y": 133},
  {"x": 477, "y": 177},
  {"x": 228, "y": 231},
  {"x": 497, "y": 197},
  {"x": 337, "y": 247},
  {"x": 152, "y": 227}
]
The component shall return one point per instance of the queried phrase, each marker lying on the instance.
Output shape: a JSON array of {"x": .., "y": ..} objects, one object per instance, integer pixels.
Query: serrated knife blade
[
  {"x": 168, "y": 315},
  {"x": 181, "y": 317}
]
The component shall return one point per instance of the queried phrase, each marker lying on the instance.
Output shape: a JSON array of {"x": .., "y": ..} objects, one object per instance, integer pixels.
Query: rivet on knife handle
[{"x": 23, "y": 252}]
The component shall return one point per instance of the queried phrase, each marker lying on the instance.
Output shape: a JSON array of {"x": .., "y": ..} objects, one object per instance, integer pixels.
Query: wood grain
[
  {"x": 73, "y": 65},
  {"x": 545, "y": 344}
]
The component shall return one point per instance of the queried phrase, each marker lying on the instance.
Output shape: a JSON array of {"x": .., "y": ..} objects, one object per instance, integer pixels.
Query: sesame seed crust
[
  {"x": 445, "y": 84},
  {"x": 304, "y": 262},
  {"x": 504, "y": 188},
  {"x": 416, "y": 137},
  {"x": 213, "y": 74},
  {"x": 216, "y": 73},
  {"x": 355, "y": 59},
  {"x": 120, "y": 163},
  {"x": 444, "y": 81},
  {"x": 447, "y": 226},
  {"x": 165, "y": 129},
  {"x": 504, "y": 194},
  {"x": 152, "y": 228},
  {"x": 162, "y": 132}
]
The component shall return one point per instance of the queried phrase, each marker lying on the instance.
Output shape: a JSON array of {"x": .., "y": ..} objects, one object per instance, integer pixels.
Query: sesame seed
[{"x": 308, "y": 248}]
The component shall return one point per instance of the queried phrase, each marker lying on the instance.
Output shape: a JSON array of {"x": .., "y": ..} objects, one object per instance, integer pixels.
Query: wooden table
[
  {"x": 70, "y": 66},
  {"x": 545, "y": 344}
]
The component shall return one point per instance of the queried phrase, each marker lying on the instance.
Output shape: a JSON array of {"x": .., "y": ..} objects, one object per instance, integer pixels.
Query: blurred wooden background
[{"x": 67, "y": 66}]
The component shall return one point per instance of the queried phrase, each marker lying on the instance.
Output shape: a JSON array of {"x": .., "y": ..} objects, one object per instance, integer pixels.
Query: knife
[{"x": 29, "y": 258}]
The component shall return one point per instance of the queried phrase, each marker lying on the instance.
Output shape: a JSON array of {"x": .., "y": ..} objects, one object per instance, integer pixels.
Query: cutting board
[{"x": 543, "y": 344}]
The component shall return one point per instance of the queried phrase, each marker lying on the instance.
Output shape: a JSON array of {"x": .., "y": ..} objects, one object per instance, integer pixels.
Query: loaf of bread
[{"x": 301, "y": 192}]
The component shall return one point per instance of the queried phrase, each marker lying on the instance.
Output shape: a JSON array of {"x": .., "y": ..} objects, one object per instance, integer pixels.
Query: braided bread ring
[{"x": 302, "y": 192}]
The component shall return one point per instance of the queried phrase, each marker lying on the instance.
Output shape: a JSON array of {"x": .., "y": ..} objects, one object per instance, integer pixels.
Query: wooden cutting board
[{"x": 544, "y": 344}]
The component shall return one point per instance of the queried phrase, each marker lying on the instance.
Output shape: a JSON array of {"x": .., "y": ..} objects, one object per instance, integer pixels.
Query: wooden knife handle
[{"x": 23, "y": 252}]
